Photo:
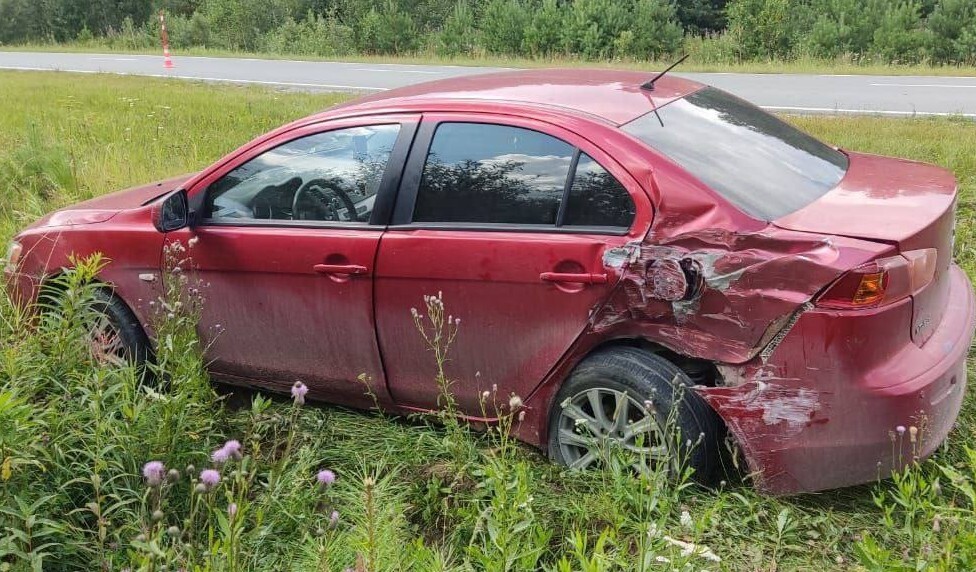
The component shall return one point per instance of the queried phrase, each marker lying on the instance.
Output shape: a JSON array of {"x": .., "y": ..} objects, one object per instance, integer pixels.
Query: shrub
[
  {"x": 312, "y": 36},
  {"x": 132, "y": 37},
  {"x": 458, "y": 35},
  {"x": 701, "y": 17},
  {"x": 711, "y": 49},
  {"x": 952, "y": 32},
  {"x": 899, "y": 36},
  {"x": 545, "y": 31},
  {"x": 197, "y": 31},
  {"x": 387, "y": 31},
  {"x": 761, "y": 28},
  {"x": 503, "y": 25},
  {"x": 843, "y": 27},
  {"x": 240, "y": 24},
  {"x": 655, "y": 31},
  {"x": 592, "y": 27}
]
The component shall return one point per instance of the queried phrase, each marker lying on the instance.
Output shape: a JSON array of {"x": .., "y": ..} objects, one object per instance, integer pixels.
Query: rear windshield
[{"x": 759, "y": 163}]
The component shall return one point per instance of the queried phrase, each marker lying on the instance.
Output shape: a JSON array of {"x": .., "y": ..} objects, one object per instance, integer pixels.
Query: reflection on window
[
  {"x": 329, "y": 177},
  {"x": 480, "y": 173},
  {"x": 757, "y": 162},
  {"x": 596, "y": 198}
]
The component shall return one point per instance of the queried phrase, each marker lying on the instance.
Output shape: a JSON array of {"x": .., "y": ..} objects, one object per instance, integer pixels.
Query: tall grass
[{"x": 417, "y": 494}]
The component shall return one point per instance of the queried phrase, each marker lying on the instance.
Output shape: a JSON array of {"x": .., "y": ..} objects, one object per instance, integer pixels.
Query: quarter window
[
  {"x": 326, "y": 177},
  {"x": 493, "y": 174},
  {"x": 596, "y": 198}
]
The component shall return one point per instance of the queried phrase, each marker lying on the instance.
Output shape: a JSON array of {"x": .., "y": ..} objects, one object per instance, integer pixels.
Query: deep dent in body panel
[{"x": 730, "y": 298}]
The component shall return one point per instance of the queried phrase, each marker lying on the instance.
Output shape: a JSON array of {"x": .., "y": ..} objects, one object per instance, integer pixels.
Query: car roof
[{"x": 613, "y": 96}]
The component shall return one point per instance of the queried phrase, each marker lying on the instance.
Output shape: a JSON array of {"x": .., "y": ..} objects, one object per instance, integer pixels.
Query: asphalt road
[{"x": 888, "y": 95}]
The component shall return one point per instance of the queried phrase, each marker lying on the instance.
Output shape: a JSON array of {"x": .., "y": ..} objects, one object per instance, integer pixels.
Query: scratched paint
[
  {"x": 716, "y": 294},
  {"x": 733, "y": 298}
]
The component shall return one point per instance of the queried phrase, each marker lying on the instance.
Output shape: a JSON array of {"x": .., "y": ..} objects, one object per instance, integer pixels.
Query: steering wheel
[{"x": 316, "y": 186}]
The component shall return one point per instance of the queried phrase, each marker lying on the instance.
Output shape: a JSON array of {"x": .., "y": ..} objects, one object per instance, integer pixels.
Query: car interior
[{"x": 327, "y": 177}]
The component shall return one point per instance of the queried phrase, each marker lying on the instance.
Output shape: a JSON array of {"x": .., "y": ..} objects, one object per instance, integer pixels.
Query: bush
[
  {"x": 313, "y": 36},
  {"x": 503, "y": 25},
  {"x": 899, "y": 38},
  {"x": 389, "y": 31},
  {"x": 762, "y": 29},
  {"x": 711, "y": 49},
  {"x": 240, "y": 24},
  {"x": 592, "y": 27},
  {"x": 952, "y": 32},
  {"x": 655, "y": 31},
  {"x": 843, "y": 27},
  {"x": 701, "y": 17},
  {"x": 132, "y": 37},
  {"x": 544, "y": 35},
  {"x": 458, "y": 35}
]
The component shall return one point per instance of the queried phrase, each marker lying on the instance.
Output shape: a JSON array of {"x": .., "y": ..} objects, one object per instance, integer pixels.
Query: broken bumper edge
[{"x": 813, "y": 422}]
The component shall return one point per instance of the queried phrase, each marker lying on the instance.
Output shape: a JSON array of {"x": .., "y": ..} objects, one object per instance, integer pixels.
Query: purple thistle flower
[
  {"x": 325, "y": 477},
  {"x": 220, "y": 456},
  {"x": 232, "y": 510},
  {"x": 209, "y": 478},
  {"x": 230, "y": 450},
  {"x": 154, "y": 472},
  {"x": 233, "y": 447},
  {"x": 900, "y": 429},
  {"x": 298, "y": 392}
]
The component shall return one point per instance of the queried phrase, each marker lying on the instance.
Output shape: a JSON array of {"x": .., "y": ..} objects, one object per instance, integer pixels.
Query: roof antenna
[{"x": 649, "y": 86}]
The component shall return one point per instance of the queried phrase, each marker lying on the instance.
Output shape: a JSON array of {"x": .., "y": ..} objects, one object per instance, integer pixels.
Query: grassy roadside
[
  {"x": 796, "y": 66},
  {"x": 439, "y": 497}
]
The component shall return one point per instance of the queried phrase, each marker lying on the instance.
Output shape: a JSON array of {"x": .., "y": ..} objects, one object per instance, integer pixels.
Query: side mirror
[{"x": 173, "y": 213}]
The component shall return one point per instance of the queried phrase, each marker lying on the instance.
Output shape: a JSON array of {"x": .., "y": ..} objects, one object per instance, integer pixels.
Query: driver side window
[{"x": 326, "y": 177}]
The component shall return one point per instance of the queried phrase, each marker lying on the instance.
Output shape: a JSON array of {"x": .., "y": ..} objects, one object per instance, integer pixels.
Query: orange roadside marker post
[{"x": 167, "y": 62}]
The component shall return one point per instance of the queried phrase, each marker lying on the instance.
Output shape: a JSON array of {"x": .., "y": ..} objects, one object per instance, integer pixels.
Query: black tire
[
  {"x": 643, "y": 376},
  {"x": 135, "y": 344}
]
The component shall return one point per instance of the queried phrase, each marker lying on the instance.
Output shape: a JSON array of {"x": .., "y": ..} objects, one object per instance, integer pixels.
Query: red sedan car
[{"x": 621, "y": 252}]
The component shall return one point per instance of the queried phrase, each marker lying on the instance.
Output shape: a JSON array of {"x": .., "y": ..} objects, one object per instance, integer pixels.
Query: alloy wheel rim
[
  {"x": 105, "y": 343},
  {"x": 594, "y": 421}
]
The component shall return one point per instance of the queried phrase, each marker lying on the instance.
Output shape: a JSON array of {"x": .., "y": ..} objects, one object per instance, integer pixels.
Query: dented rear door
[{"x": 480, "y": 224}]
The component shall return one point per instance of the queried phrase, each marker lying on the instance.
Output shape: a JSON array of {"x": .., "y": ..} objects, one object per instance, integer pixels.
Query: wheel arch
[{"x": 699, "y": 371}]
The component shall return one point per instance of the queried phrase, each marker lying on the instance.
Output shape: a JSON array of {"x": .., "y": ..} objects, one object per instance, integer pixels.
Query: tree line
[{"x": 720, "y": 31}]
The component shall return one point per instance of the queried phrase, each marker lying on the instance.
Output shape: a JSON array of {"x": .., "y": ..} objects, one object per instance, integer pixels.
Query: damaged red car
[{"x": 631, "y": 258}]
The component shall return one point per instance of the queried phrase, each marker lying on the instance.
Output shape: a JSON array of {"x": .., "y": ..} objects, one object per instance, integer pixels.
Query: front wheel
[
  {"x": 639, "y": 404},
  {"x": 115, "y": 336}
]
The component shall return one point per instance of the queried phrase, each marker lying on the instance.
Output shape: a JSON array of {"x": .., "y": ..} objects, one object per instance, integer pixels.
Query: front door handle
[
  {"x": 350, "y": 269},
  {"x": 573, "y": 277}
]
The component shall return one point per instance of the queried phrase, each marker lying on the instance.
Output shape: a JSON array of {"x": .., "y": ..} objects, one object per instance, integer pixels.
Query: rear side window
[
  {"x": 480, "y": 173},
  {"x": 759, "y": 163},
  {"x": 596, "y": 198},
  {"x": 494, "y": 174}
]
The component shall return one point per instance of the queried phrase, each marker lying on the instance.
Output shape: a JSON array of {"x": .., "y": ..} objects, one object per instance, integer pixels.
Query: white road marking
[
  {"x": 867, "y": 111},
  {"x": 396, "y": 70},
  {"x": 950, "y": 85},
  {"x": 205, "y": 78},
  {"x": 116, "y": 59}
]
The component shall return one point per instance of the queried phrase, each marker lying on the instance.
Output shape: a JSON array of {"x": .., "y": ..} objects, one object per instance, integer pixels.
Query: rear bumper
[{"x": 824, "y": 412}]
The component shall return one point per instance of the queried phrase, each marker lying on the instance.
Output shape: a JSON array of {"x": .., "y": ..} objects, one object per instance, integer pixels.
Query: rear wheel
[{"x": 640, "y": 405}]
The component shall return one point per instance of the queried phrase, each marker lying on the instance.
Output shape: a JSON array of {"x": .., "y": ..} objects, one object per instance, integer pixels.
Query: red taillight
[{"x": 882, "y": 281}]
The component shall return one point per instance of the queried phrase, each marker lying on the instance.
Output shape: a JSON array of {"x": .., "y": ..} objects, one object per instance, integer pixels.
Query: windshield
[{"x": 757, "y": 162}]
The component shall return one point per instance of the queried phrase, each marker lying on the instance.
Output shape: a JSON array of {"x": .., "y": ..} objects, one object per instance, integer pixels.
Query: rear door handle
[
  {"x": 574, "y": 278},
  {"x": 351, "y": 269}
]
